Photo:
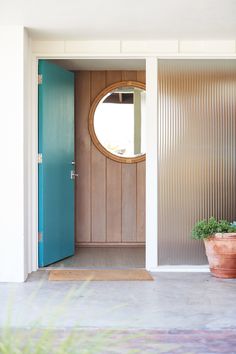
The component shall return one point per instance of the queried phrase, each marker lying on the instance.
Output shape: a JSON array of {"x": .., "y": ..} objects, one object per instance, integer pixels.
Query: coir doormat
[{"x": 99, "y": 275}]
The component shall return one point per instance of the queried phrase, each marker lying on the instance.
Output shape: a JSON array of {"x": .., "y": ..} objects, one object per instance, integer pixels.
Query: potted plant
[{"x": 220, "y": 242}]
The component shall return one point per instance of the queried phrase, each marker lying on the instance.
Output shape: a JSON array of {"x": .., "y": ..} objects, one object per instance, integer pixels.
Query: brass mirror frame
[{"x": 93, "y": 135}]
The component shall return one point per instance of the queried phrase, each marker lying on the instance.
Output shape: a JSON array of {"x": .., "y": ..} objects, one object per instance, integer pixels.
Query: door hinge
[
  {"x": 40, "y": 158},
  {"x": 40, "y": 237},
  {"x": 40, "y": 79}
]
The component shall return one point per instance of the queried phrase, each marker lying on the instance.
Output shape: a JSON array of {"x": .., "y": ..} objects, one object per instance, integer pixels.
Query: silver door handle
[{"x": 73, "y": 174}]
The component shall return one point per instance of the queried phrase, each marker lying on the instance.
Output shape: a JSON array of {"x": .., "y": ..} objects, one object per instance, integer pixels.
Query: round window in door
[{"x": 117, "y": 121}]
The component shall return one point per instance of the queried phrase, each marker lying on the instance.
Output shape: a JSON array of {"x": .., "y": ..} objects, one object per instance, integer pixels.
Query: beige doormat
[{"x": 99, "y": 275}]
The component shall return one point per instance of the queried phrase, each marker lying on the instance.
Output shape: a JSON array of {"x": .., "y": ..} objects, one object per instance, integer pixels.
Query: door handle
[{"x": 73, "y": 174}]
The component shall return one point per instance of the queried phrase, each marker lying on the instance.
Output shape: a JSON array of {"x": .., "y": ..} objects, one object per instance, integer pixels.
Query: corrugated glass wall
[{"x": 197, "y": 148}]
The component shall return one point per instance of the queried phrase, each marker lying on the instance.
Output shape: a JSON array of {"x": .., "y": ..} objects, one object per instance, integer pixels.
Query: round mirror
[{"x": 117, "y": 121}]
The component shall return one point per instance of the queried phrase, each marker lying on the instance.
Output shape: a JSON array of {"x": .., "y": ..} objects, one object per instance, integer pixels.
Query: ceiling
[
  {"x": 123, "y": 19},
  {"x": 181, "y": 65},
  {"x": 101, "y": 64}
]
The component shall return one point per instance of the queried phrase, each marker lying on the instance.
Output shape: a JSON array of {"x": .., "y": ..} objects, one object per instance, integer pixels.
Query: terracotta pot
[{"x": 221, "y": 254}]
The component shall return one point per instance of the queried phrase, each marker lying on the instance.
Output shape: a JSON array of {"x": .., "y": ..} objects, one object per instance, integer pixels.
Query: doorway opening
[{"x": 100, "y": 223}]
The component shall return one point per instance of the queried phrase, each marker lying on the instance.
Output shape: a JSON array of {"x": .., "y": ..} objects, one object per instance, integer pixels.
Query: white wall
[
  {"x": 147, "y": 48},
  {"x": 13, "y": 110},
  {"x": 151, "y": 162},
  {"x": 18, "y": 130}
]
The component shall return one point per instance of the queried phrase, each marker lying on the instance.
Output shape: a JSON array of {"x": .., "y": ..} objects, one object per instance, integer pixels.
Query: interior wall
[
  {"x": 109, "y": 196},
  {"x": 197, "y": 153}
]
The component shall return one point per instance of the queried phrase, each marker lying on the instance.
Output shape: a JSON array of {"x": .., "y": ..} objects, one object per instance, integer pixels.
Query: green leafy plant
[{"x": 206, "y": 228}]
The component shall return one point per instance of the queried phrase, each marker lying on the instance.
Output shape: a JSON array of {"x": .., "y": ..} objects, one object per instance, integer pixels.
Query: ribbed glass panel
[{"x": 197, "y": 147}]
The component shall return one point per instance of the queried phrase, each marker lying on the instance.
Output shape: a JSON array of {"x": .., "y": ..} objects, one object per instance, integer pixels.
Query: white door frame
[
  {"x": 151, "y": 157},
  {"x": 151, "y": 154}
]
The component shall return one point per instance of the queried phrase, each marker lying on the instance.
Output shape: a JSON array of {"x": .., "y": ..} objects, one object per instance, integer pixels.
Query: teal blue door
[{"x": 56, "y": 155}]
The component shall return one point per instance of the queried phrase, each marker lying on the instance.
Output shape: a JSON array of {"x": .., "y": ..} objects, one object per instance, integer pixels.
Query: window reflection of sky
[{"x": 114, "y": 127}]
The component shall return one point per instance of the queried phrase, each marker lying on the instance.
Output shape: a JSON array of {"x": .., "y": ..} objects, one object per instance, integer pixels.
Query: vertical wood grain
[
  {"x": 113, "y": 76},
  {"x": 82, "y": 156},
  {"x": 98, "y": 210},
  {"x": 129, "y": 187},
  {"x": 113, "y": 201},
  {"x": 141, "y": 76},
  {"x": 110, "y": 196},
  {"x": 98, "y": 83},
  {"x": 129, "y": 75},
  {"x": 141, "y": 185},
  {"x": 129, "y": 202},
  {"x": 98, "y": 175},
  {"x": 113, "y": 183}
]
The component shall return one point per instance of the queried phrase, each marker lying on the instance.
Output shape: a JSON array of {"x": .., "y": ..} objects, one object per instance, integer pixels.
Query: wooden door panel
[
  {"x": 110, "y": 196},
  {"x": 141, "y": 185},
  {"x": 129, "y": 202},
  {"x": 114, "y": 205},
  {"x": 83, "y": 166}
]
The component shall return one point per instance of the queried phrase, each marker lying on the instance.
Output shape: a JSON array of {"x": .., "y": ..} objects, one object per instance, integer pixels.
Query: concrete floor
[
  {"x": 88, "y": 341},
  {"x": 103, "y": 257},
  {"x": 173, "y": 301}
]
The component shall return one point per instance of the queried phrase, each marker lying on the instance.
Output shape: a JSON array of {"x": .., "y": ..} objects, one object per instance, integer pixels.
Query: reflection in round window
[{"x": 119, "y": 122}]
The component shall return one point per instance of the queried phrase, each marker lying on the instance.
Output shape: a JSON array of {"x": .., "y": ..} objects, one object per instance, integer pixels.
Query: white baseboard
[{"x": 181, "y": 269}]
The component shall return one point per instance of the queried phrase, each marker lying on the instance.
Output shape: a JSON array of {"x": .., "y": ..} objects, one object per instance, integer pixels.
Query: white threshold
[{"x": 181, "y": 269}]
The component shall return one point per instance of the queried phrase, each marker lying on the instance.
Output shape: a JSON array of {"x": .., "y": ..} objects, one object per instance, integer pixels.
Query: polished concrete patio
[
  {"x": 177, "y": 313},
  {"x": 173, "y": 301}
]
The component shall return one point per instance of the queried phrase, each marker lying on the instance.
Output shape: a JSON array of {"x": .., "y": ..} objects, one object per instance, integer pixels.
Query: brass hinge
[
  {"x": 40, "y": 236},
  {"x": 40, "y": 158},
  {"x": 40, "y": 79}
]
